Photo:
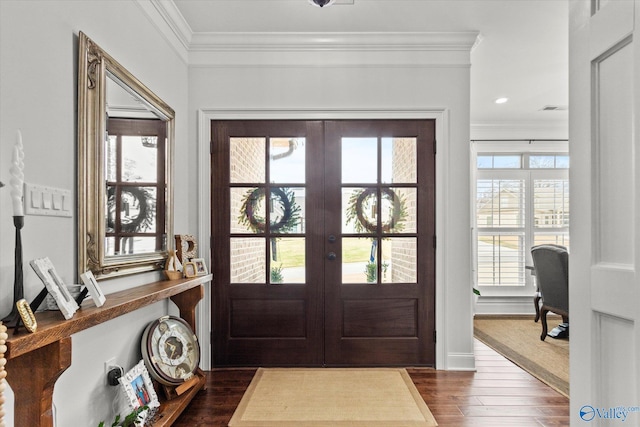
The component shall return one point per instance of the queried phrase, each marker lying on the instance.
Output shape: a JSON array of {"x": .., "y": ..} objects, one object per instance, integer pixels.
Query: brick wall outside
[
  {"x": 404, "y": 250},
  {"x": 248, "y": 258}
]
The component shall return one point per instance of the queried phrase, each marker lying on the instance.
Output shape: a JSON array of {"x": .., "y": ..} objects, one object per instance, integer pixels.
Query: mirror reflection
[{"x": 125, "y": 149}]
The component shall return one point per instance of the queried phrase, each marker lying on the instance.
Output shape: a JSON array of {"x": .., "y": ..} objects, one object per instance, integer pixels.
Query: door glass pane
[
  {"x": 139, "y": 158},
  {"x": 285, "y": 210},
  {"x": 287, "y": 260},
  {"x": 359, "y": 160},
  {"x": 357, "y": 253},
  {"x": 248, "y": 213},
  {"x": 359, "y": 210},
  {"x": 287, "y": 160},
  {"x": 399, "y": 160},
  {"x": 399, "y": 260},
  {"x": 501, "y": 259},
  {"x": 248, "y": 260},
  {"x": 398, "y": 210},
  {"x": 247, "y": 160}
]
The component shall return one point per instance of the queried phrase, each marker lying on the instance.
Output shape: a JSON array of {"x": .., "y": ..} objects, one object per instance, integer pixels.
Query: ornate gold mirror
[{"x": 125, "y": 166}]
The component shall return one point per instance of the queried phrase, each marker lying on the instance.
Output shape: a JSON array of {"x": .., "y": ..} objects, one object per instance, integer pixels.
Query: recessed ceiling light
[{"x": 501, "y": 100}]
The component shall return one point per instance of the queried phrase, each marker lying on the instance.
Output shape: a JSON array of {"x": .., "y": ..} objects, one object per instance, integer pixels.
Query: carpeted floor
[
  {"x": 518, "y": 339},
  {"x": 300, "y": 397}
]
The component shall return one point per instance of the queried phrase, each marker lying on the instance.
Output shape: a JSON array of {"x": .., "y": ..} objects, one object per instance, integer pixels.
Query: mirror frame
[{"x": 94, "y": 67}]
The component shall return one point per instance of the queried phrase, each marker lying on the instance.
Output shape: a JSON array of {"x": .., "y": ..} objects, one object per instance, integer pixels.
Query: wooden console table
[{"x": 36, "y": 360}]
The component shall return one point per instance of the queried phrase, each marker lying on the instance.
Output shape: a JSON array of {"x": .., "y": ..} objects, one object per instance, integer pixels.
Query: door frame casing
[{"x": 441, "y": 116}]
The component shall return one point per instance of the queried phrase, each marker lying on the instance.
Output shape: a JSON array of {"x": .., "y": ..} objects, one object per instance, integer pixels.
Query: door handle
[{"x": 331, "y": 256}]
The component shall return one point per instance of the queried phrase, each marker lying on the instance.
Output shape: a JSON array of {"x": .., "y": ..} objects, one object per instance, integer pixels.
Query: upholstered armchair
[{"x": 551, "y": 263}]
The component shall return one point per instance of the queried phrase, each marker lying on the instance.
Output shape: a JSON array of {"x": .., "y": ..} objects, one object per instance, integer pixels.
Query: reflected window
[{"x": 134, "y": 217}]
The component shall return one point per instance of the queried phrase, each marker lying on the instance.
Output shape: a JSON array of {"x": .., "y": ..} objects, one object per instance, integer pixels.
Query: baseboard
[
  {"x": 461, "y": 362},
  {"x": 504, "y": 305}
]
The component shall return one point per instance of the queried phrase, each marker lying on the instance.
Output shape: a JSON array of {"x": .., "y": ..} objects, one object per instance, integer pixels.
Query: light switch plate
[{"x": 47, "y": 201}]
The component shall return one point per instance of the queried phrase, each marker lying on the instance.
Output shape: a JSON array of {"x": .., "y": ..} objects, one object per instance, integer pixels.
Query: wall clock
[{"x": 170, "y": 350}]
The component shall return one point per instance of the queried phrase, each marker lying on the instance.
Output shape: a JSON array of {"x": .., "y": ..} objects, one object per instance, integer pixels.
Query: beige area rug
[
  {"x": 332, "y": 397},
  {"x": 518, "y": 339}
]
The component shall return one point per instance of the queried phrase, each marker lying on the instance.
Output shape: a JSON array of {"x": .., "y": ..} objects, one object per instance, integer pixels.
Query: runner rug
[
  {"x": 518, "y": 339},
  {"x": 332, "y": 397}
]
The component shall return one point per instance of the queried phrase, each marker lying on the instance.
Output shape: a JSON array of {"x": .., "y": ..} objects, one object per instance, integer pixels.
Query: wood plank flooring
[{"x": 499, "y": 393}]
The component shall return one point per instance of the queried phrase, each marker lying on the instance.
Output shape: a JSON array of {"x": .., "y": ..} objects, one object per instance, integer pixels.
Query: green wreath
[
  {"x": 145, "y": 203},
  {"x": 361, "y": 223},
  {"x": 252, "y": 201}
]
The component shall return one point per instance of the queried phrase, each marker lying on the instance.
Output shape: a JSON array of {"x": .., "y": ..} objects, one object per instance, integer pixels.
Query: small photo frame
[
  {"x": 55, "y": 286},
  {"x": 91, "y": 283},
  {"x": 138, "y": 388},
  {"x": 190, "y": 269},
  {"x": 201, "y": 267}
]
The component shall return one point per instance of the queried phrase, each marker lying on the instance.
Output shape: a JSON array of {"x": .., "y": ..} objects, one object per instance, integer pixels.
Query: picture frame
[
  {"x": 190, "y": 269},
  {"x": 91, "y": 283},
  {"x": 201, "y": 266},
  {"x": 138, "y": 387},
  {"x": 45, "y": 270}
]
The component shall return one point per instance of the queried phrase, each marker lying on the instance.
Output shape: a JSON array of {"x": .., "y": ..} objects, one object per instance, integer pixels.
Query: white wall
[
  {"x": 304, "y": 78},
  {"x": 38, "y": 72}
]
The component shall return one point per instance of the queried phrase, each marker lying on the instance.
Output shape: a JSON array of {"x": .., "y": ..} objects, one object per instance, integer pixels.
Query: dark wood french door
[{"x": 323, "y": 242}]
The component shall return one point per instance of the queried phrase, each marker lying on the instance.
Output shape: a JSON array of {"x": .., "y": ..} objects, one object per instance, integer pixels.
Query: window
[{"x": 521, "y": 200}]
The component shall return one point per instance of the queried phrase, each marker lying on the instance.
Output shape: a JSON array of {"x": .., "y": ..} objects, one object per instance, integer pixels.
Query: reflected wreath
[{"x": 145, "y": 204}]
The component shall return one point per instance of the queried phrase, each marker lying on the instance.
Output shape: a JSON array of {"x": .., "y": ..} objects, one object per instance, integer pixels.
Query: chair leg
[
  {"x": 536, "y": 304},
  {"x": 543, "y": 320}
]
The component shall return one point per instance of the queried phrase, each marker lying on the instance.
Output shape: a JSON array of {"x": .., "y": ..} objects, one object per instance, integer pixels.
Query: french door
[{"x": 323, "y": 242}]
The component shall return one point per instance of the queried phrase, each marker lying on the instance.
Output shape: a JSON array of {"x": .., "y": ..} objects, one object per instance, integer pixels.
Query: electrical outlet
[{"x": 108, "y": 365}]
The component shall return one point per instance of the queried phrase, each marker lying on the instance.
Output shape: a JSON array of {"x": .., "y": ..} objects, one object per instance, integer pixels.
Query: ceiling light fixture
[
  {"x": 322, "y": 3},
  {"x": 501, "y": 100}
]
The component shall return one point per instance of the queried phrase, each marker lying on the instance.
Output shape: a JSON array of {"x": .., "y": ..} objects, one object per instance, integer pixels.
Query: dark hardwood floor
[{"x": 498, "y": 394}]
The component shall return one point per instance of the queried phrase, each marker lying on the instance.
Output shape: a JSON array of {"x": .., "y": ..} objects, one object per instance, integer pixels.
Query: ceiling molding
[
  {"x": 310, "y": 41},
  {"x": 173, "y": 28},
  {"x": 165, "y": 14},
  {"x": 175, "y": 20}
]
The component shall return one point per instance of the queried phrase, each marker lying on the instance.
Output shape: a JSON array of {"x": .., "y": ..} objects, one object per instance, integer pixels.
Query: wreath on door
[
  {"x": 252, "y": 202},
  {"x": 359, "y": 199}
]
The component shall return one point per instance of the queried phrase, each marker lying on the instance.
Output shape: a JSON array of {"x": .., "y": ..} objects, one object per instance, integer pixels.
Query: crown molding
[
  {"x": 334, "y": 41},
  {"x": 169, "y": 14},
  {"x": 165, "y": 16}
]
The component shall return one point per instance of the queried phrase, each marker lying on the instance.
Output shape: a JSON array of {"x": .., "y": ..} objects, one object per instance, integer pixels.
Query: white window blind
[{"x": 500, "y": 218}]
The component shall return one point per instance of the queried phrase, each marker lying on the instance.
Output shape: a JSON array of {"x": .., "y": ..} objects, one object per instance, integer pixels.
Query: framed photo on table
[
  {"x": 201, "y": 267},
  {"x": 190, "y": 269},
  {"x": 55, "y": 286},
  {"x": 138, "y": 387},
  {"x": 91, "y": 283}
]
